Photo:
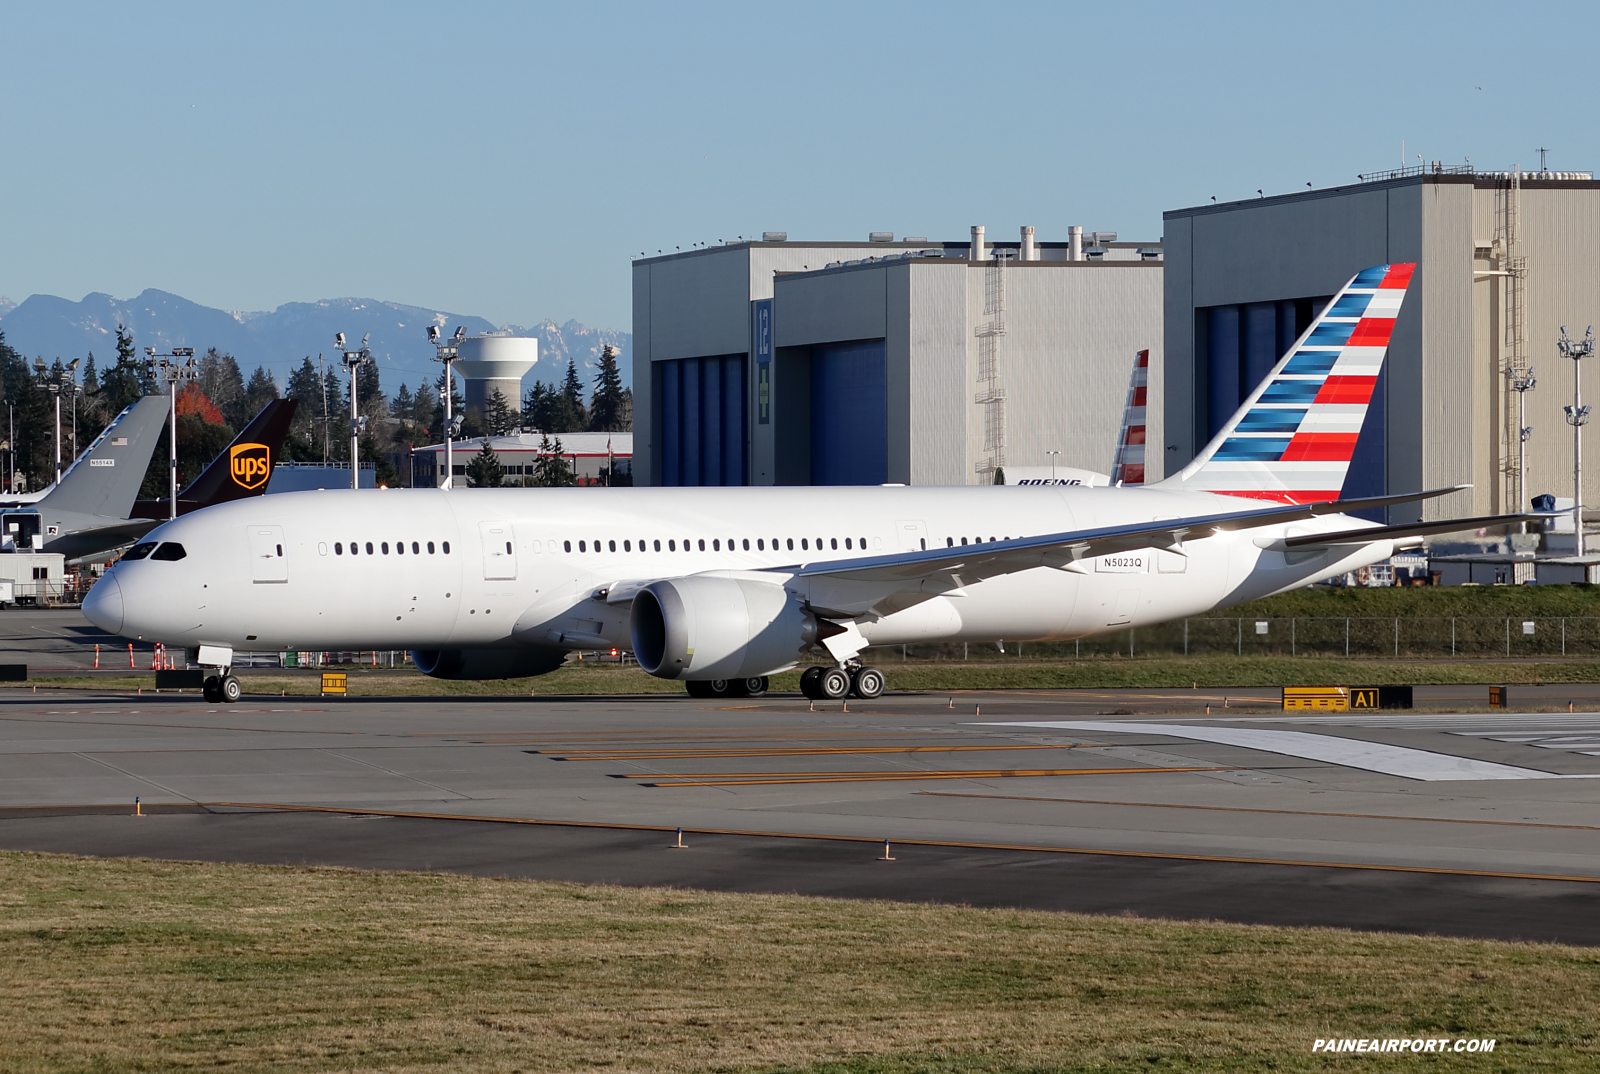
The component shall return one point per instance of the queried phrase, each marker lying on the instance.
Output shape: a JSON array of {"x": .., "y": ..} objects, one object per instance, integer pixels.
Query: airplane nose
[{"x": 103, "y": 605}]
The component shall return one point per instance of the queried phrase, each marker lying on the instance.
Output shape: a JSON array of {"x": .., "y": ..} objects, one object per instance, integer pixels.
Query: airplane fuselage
[{"x": 491, "y": 568}]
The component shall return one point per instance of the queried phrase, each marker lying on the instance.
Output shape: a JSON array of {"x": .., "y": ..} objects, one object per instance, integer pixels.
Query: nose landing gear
[
  {"x": 836, "y": 683},
  {"x": 222, "y": 689}
]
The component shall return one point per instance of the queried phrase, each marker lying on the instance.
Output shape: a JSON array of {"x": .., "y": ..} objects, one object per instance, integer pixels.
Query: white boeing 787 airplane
[{"x": 722, "y": 587}]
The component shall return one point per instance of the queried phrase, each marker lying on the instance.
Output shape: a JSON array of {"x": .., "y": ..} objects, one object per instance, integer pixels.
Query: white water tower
[{"x": 494, "y": 363}]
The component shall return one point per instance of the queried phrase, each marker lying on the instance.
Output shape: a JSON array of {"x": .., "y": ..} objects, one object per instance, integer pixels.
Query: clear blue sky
[{"x": 505, "y": 160}]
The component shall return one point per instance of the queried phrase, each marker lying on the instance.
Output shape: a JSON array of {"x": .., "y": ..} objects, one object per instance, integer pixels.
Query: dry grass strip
[{"x": 135, "y": 965}]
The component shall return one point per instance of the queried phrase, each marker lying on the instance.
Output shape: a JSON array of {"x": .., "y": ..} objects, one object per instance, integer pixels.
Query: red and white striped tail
[
  {"x": 1129, "y": 466},
  {"x": 1294, "y": 437}
]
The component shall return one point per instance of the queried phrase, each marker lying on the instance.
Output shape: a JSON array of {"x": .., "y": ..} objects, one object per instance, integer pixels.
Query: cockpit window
[
  {"x": 169, "y": 550},
  {"x": 139, "y": 551}
]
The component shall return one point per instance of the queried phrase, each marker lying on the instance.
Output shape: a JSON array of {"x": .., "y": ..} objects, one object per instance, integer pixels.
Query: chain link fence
[{"x": 1397, "y": 637}]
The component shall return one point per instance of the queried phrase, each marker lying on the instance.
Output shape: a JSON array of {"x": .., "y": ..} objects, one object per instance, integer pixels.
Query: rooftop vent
[
  {"x": 915, "y": 238},
  {"x": 1149, "y": 255},
  {"x": 774, "y": 236},
  {"x": 1101, "y": 238},
  {"x": 880, "y": 236},
  {"x": 1094, "y": 253}
]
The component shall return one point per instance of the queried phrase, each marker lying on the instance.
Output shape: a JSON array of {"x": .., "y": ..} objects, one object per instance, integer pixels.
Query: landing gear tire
[
  {"x": 211, "y": 689},
  {"x": 808, "y": 683},
  {"x": 754, "y": 686},
  {"x": 229, "y": 690},
  {"x": 866, "y": 683},
  {"x": 833, "y": 684},
  {"x": 709, "y": 688}
]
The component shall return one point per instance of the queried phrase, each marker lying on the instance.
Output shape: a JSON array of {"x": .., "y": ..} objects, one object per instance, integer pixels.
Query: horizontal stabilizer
[{"x": 1415, "y": 529}]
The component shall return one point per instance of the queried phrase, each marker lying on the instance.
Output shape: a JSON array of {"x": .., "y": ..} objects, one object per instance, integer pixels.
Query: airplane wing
[
  {"x": 882, "y": 584},
  {"x": 1416, "y": 529}
]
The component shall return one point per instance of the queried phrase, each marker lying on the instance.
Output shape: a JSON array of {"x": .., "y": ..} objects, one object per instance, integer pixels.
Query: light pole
[
  {"x": 1577, "y": 417},
  {"x": 167, "y": 367},
  {"x": 55, "y": 385},
  {"x": 353, "y": 361},
  {"x": 447, "y": 353}
]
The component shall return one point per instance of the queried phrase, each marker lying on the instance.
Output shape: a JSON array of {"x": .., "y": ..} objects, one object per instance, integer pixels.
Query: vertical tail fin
[
  {"x": 1292, "y": 440},
  {"x": 1129, "y": 466},
  {"x": 105, "y": 479}
]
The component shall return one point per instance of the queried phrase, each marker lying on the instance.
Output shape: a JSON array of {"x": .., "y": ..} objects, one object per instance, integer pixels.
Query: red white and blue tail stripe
[
  {"x": 1129, "y": 466},
  {"x": 1292, "y": 440}
]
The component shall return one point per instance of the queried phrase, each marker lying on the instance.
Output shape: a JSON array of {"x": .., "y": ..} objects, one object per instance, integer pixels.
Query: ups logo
[{"x": 249, "y": 465}]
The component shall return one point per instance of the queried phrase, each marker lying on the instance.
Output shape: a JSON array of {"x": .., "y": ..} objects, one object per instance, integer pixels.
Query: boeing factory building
[
  {"x": 928, "y": 363},
  {"x": 1504, "y": 260}
]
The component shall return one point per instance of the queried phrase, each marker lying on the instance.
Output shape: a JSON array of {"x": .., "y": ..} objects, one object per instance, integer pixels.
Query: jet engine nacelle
[
  {"x": 487, "y": 663},
  {"x": 716, "y": 627}
]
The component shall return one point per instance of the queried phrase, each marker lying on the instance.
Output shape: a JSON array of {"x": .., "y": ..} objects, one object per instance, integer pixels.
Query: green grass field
[{"x": 130, "y": 965}]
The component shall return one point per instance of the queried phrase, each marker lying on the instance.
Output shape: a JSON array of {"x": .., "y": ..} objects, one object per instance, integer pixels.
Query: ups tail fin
[
  {"x": 240, "y": 471},
  {"x": 1292, "y": 440},
  {"x": 105, "y": 479},
  {"x": 1129, "y": 466}
]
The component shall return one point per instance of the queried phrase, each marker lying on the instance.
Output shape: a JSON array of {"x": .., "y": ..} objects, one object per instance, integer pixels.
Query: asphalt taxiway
[{"x": 1484, "y": 824}]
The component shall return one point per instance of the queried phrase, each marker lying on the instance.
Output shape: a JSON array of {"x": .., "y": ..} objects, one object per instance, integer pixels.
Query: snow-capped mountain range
[{"x": 51, "y": 327}]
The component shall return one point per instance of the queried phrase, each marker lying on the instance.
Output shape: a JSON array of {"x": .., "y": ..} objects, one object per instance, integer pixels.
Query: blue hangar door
[
  {"x": 701, "y": 416},
  {"x": 849, "y": 414}
]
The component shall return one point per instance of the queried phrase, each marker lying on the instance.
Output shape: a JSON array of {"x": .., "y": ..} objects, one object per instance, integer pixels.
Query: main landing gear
[
  {"x": 837, "y": 683},
  {"x": 222, "y": 689},
  {"x": 754, "y": 686}
]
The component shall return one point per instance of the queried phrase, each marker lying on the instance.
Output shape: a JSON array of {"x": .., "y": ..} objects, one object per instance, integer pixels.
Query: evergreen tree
[
  {"x": 124, "y": 383},
  {"x": 485, "y": 471},
  {"x": 500, "y": 419},
  {"x": 223, "y": 384},
  {"x": 335, "y": 421},
  {"x": 304, "y": 442},
  {"x": 367, "y": 389},
  {"x": 567, "y": 410},
  {"x": 404, "y": 405},
  {"x": 552, "y": 470},
  {"x": 261, "y": 390},
  {"x": 536, "y": 406},
  {"x": 605, "y": 408},
  {"x": 91, "y": 378}
]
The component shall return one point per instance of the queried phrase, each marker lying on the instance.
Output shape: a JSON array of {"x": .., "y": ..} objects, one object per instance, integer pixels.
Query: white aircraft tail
[{"x": 1292, "y": 440}]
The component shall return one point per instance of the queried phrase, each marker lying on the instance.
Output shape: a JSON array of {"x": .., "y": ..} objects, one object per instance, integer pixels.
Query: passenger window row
[
  {"x": 734, "y": 545},
  {"x": 382, "y": 548},
  {"x": 949, "y": 542}
]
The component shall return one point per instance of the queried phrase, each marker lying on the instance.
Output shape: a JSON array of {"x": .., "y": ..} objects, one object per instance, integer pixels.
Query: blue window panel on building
[
  {"x": 1222, "y": 367},
  {"x": 710, "y": 421},
  {"x": 735, "y": 414},
  {"x": 703, "y": 439},
  {"x": 849, "y": 414},
  {"x": 690, "y": 409},
  {"x": 1261, "y": 353},
  {"x": 671, "y": 425},
  {"x": 1287, "y": 333}
]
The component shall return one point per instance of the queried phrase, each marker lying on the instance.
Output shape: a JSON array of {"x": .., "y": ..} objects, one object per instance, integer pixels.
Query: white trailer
[{"x": 31, "y": 577}]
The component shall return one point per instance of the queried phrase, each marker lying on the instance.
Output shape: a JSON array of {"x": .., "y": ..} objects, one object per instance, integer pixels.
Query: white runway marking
[{"x": 1350, "y": 753}]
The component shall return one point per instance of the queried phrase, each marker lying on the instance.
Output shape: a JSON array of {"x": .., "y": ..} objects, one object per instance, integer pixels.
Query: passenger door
[
  {"x": 912, "y": 534},
  {"x": 499, "y": 551},
  {"x": 267, "y": 562}
]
